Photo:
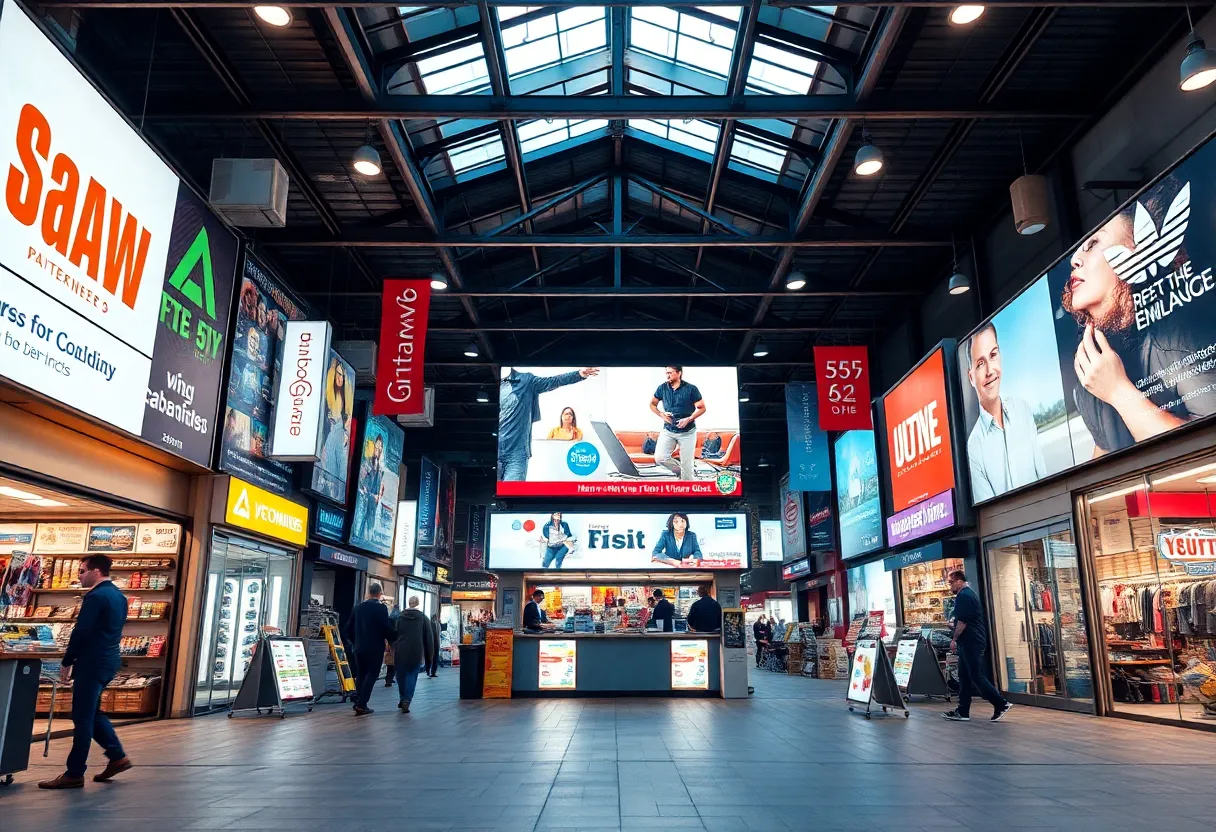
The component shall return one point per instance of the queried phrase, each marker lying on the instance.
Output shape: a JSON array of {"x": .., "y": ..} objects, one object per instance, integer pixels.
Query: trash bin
[{"x": 472, "y": 670}]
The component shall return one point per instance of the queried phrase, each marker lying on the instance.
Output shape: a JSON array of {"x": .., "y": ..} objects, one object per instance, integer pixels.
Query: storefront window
[
  {"x": 872, "y": 589},
  {"x": 1155, "y": 565},
  {"x": 927, "y": 598},
  {"x": 1039, "y": 620}
]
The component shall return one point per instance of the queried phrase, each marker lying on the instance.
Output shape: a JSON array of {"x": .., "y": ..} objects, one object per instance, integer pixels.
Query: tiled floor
[{"x": 791, "y": 758}]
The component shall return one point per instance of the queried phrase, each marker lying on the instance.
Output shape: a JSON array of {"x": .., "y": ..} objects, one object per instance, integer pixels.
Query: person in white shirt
[{"x": 1003, "y": 447}]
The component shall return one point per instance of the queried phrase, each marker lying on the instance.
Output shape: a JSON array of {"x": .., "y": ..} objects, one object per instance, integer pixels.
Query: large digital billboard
[
  {"x": 1115, "y": 344},
  {"x": 857, "y": 493},
  {"x": 644, "y": 540},
  {"x": 619, "y": 431}
]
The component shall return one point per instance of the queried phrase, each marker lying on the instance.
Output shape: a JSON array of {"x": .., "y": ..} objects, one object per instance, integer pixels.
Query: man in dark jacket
[
  {"x": 763, "y": 633},
  {"x": 705, "y": 616},
  {"x": 368, "y": 627},
  {"x": 518, "y": 409},
  {"x": 664, "y": 615},
  {"x": 91, "y": 660},
  {"x": 970, "y": 640},
  {"x": 414, "y": 643}
]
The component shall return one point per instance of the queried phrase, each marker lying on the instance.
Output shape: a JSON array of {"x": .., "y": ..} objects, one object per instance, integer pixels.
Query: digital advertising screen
[
  {"x": 857, "y": 493},
  {"x": 643, "y": 540},
  {"x": 328, "y": 476},
  {"x": 619, "y": 431},
  {"x": 558, "y": 664},
  {"x": 376, "y": 490},
  {"x": 1113, "y": 345}
]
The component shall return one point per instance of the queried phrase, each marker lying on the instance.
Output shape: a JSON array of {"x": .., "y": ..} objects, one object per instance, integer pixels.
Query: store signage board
[
  {"x": 258, "y": 510},
  {"x": 475, "y": 538},
  {"x": 810, "y": 465},
  {"x": 1208, "y": 568},
  {"x": 337, "y": 556},
  {"x": 404, "y": 541},
  {"x": 843, "y": 379},
  {"x": 105, "y": 538},
  {"x": 858, "y": 500},
  {"x": 61, "y": 538},
  {"x": 17, "y": 537},
  {"x": 158, "y": 538},
  {"x": 404, "y": 306},
  {"x": 1149, "y": 278},
  {"x": 1194, "y": 545},
  {"x": 557, "y": 668},
  {"x": 300, "y": 398},
  {"x": 919, "y": 447},
  {"x": 636, "y": 540},
  {"x": 689, "y": 664},
  {"x": 793, "y": 525},
  {"x": 329, "y": 523},
  {"x": 425, "y": 570},
  {"x": 797, "y": 569},
  {"x": 922, "y": 554},
  {"x": 770, "y": 541},
  {"x": 926, "y": 517},
  {"x": 290, "y": 669},
  {"x": 596, "y": 457}
]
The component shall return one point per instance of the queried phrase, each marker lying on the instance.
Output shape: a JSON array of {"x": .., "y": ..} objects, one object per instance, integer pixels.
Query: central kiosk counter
[{"x": 616, "y": 664}]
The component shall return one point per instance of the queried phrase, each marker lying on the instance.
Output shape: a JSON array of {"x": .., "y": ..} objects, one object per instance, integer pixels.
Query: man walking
[
  {"x": 518, "y": 409},
  {"x": 682, "y": 406},
  {"x": 412, "y": 647},
  {"x": 969, "y": 641},
  {"x": 368, "y": 628},
  {"x": 91, "y": 660},
  {"x": 432, "y": 661}
]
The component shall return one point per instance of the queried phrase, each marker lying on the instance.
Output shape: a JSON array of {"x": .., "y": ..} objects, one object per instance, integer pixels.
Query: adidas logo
[
  {"x": 241, "y": 509},
  {"x": 1155, "y": 247}
]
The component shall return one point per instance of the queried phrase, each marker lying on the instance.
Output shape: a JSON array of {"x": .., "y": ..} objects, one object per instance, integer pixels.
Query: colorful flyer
[
  {"x": 16, "y": 538},
  {"x": 61, "y": 538},
  {"x": 905, "y": 654},
  {"x": 862, "y": 677},
  {"x": 558, "y": 664},
  {"x": 107, "y": 538},
  {"x": 500, "y": 647},
  {"x": 689, "y": 664},
  {"x": 158, "y": 538}
]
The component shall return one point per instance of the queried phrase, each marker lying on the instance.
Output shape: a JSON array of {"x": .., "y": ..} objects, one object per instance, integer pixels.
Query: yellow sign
[
  {"x": 257, "y": 510},
  {"x": 500, "y": 655},
  {"x": 442, "y": 575}
]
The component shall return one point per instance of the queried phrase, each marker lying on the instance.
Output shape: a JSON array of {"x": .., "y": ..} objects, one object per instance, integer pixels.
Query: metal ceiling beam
[
  {"x": 638, "y": 326},
  {"x": 631, "y": 292},
  {"x": 327, "y": 107},
  {"x": 421, "y": 238},
  {"x": 695, "y": 210},
  {"x": 547, "y": 205},
  {"x": 437, "y": 4},
  {"x": 833, "y": 150},
  {"x": 392, "y": 135}
]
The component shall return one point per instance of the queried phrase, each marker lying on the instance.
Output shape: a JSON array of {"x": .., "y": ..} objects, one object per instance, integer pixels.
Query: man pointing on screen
[{"x": 518, "y": 409}]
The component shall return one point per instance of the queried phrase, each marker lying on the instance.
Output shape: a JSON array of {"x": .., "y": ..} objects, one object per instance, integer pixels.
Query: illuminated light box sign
[
  {"x": 1194, "y": 545},
  {"x": 619, "y": 431},
  {"x": 857, "y": 493},
  {"x": 578, "y": 540},
  {"x": 558, "y": 664},
  {"x": 689, "y": 664},
  {"x": 926, "y": 517}
]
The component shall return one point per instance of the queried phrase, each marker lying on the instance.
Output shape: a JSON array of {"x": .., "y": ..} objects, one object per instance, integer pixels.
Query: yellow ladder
[{"x": 346, "y": 680}]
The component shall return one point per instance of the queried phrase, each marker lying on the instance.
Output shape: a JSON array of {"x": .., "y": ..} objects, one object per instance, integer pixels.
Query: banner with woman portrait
[
  {"x": 329, "y": 475},
  {"x": 378, "y": 486},
  {"x": 1115, "y": 344}
]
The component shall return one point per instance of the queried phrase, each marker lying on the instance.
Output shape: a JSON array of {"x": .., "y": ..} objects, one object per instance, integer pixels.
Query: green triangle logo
[{"x": 182, "y": 278}]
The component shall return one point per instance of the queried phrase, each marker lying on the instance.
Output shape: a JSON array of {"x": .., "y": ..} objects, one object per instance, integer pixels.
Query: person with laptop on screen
[
  {"x": 682, "y": 406},
  {"x": 519, "y": 409}
]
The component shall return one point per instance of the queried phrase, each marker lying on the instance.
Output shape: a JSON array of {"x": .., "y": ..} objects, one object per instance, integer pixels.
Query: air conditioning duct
[
  {"x": 249, "y": 193},
  {"x": 425, "y": 419}
]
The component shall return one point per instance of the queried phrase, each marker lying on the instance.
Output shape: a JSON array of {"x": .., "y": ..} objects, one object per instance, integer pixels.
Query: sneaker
[
  {"x": 404, "y": 707},
  {"x": 113, "y": 767},
  {"x": 955, "y": 716},
  {"x": 1001, "y": 711}
]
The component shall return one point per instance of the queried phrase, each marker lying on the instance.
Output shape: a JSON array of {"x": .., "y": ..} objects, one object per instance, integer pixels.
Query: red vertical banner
[
  {"x": 399, "y": 366},
  {"x": 843, "y": 379}
]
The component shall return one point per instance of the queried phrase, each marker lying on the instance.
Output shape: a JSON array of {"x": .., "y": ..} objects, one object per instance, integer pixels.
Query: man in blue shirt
[
  {"x": 518, "y": 409},
  {"x": 682, "y": 406},
  {"x": 970, "y": 640}
]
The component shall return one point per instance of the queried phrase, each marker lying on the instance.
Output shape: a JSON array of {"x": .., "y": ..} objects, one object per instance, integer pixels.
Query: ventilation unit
[
  {"x": 249, "y": 193},
  {"x": 426, "y": 419},
  {"x": 362, "y": 356}
]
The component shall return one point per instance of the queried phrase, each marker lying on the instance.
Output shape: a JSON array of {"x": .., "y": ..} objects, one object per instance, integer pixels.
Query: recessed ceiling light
[
  {"x": 962, "y": 15},
  {"x": 278, "y": 16},
  {"x": 43, "y": 502},
  {"x": 17, "y": 493},
  {"x": 1182, "y": 475}
]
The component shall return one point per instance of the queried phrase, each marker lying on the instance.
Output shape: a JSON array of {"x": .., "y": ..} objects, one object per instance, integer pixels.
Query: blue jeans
[
  {"x": 555, "y": 553},
  {"x": 89, "y": 723},
  {"x": 407, "y": 681},
  {"x": 514, "y": 466}
]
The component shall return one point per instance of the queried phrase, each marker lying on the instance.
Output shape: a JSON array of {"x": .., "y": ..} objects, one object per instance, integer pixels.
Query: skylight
[
  {"x": 460, "y": 70},
  {"x": 774, "y": 70},
  {"x": 695, "y": 133},
  {"x": 476, "y": 154},
  {"x": 534, "y": 135},
  {"x": 687, "y": 40},
  {"x": 553, "y": 38}
]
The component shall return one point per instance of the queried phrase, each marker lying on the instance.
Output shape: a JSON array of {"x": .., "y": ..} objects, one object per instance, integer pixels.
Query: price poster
[
  {"x": 689, "y": 664},
  {"x": 558, "y": 663},
  {"x": 861, "y": 679},
  {"x": 291, "y": 669},
  {"x": 500, "y": 647},
  {"x": 842, "y": 378},
  {"x": 905, "y": 654}
]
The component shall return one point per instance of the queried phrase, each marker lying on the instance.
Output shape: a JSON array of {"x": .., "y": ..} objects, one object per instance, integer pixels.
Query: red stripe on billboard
[
  {"x": 403, "y": 314},
  {"x": 707, "y": 488}
]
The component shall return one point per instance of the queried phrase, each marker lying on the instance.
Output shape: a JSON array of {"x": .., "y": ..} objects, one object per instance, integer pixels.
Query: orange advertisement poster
[
  {"x": 500, "y": 650},
  {"x": 919, "y": 453}
]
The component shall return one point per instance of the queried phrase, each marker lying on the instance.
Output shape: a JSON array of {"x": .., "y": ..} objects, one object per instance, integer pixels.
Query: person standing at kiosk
[{"x": 664, "y": 613}]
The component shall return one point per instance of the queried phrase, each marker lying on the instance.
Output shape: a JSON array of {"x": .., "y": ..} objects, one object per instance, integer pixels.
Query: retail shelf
[
  {"x": 81, "y": 591},
  {"x": 142, "y": 568},
  {"x": 1141, "y": 662}
]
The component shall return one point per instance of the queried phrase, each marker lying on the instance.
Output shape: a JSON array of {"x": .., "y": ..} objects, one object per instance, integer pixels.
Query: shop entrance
[{"x": 1038, "y": 618}]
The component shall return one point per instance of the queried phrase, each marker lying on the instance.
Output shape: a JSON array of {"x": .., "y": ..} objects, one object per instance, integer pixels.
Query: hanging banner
[
  {"x": 404, "y": 536},
  {"x": 301, "y": 392},
  {"x": 820, "y": 530},
  {"x": 793, "y": 532},
  {"x": 475, "y": 540},
  {"x": 842, "y": 377},
  {"x": 445, "y": 517},
  {"x": 428, "y": 503},
  {"x": 403, "y": 313},
  {"x": 373, "y": 517},
  {"x": 810, "y": 469},
  {"x": 770, "y": 541}
]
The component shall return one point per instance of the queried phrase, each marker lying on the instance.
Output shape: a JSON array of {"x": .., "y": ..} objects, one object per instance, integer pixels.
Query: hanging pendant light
[
  {"x": 277, "y": 16},
  {"x": 439, "y": 282},
  {"x": 962, "y": 15},
  {"x": 1028, "y": 195},
  {"x": 795, "y": 281},
  {"x": 760, "y": 350},
  {"x": 367, "y": 161},
  {"x": 1198, "y": 68},
  {"x": 959, "y": 283},
  {"x": 868, "y": 160}
]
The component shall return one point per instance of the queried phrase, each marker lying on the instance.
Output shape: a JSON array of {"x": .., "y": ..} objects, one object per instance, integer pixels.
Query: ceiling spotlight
[
  {"x": 483, "y": 396},
  {"x": 760, "y": 350},
  {"x": 367, "y": 160},
  {"x": 795, "y": 281},
  {"x": 471, "y": 351},
  {"x": 439, "y": 282},
  {"x": 763, "y": 463},
  {"x": 962, "y": 15},
  {"x": 1198, "y": 66},
  {"x": 279, "y": 16},
  {"x": 493, "y": 433},
  {"x": 44, "y": 502},
  {"x": 868, "y": 160},
  {"x": 960, "y": 284},
  {"x": 744, "y": 396},
  {"x": 18, "y": 494}
]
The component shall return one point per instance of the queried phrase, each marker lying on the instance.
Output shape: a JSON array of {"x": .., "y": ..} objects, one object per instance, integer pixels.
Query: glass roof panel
[
  {"x": 755, "y": 153},
  {"x": 476, "y": 154},
  {"x": 695, "y": 134}
]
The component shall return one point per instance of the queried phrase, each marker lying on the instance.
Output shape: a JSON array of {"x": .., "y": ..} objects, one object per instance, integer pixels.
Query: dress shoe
[
  {"x": 363, "y": 711},
  {"x": 63, "y": 781},
  {"x": 113, "y": 767},
  {"x": 404, "y": 707}
]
